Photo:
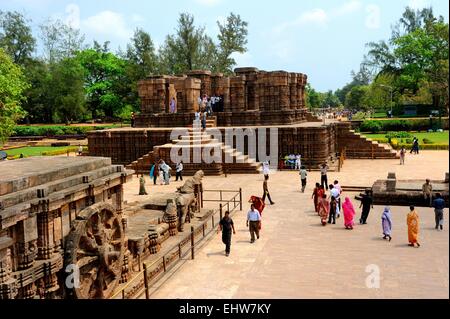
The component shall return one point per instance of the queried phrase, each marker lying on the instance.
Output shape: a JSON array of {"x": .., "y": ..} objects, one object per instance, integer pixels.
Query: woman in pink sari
[{"x": 349, "y": 213}]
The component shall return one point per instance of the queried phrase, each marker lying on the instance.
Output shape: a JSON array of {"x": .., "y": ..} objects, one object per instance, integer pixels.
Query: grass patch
[
  {"x": 29, "y": 151},
  {"x": 435, "y": 137}
]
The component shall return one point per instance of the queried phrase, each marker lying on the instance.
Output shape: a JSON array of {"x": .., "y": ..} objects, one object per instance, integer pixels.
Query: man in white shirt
[
  {"x": 323, "y": 175},
  {"x": 336, "y": 194},
  {"x": 298, "y": 161},
  {"x": 266, "y": 168},
  {"x": 303, "y": 175},
  {"x": 339, "y": 188},
  {"x": 253, "y": 222}
]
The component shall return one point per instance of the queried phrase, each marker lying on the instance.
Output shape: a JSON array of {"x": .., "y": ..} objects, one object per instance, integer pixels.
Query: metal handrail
[{"x": 146, "y": 266}]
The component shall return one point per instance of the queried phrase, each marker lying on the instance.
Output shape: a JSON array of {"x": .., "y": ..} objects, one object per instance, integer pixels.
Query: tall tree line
[
  {"x": 72, "y": 81},
  {"x": 411, "y": 67}
]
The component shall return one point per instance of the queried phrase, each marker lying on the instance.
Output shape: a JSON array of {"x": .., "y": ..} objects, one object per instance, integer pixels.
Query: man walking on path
[
  {"x": 266, "y": 190},
  {"x": 366, "y": 204},
  {"x": 226, "y": 226},
  {"x": 253, "y": 221},
  {"x": 439, "y": 205},
  {"x": 303, "y": 175},
  {"x": 427, "y": 190},
  {"x": 323, "y": 175}
]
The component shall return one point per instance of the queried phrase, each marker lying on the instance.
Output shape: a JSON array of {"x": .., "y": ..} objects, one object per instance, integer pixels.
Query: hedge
[
  {"x": 395, "y": 145},
  {"x": 376, "y": 126},
  {"x": 56, "y": 130}
]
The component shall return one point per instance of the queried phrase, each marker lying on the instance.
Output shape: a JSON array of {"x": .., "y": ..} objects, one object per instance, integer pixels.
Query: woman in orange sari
[
  {"x": 324, "y": 209},
  {"x": 412, "y": 220},
  {"x": 316, "y": 197}
]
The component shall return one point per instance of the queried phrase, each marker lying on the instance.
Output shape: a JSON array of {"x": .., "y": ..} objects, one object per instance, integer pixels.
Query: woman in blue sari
[{"x": 386, "y": 221}]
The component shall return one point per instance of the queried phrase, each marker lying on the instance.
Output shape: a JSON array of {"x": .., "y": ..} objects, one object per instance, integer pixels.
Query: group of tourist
[
  {"x": 200, "y": 119},
  {"x": 329, "y": 207},
  {"x": 160, "y": 173},
  {"x": 211, "y": 104},
  {"x": 292, "y": 161},
  {"x": 415, "y": 146}
]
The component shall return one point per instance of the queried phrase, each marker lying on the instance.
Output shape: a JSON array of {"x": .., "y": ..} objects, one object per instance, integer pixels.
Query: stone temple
[{"x": 251, "y": 99}]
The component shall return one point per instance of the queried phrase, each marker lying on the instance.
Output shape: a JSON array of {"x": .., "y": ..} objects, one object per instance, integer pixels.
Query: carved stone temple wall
[
  {"x": 250, "y": 98},
  {"x": 45, "y": 201}
]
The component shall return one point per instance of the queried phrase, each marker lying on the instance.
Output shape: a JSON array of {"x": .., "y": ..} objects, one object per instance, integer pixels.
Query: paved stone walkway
[{"x": 298, "y": 258}]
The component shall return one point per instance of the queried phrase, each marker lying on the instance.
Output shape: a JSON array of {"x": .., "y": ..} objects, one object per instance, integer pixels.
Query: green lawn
[
  {"x": 38, "y": 150},
  {"x": 436, "y": 137}
]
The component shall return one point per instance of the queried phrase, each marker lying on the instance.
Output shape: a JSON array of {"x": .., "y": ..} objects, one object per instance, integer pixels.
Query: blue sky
[{"x": 323, "y": 39}]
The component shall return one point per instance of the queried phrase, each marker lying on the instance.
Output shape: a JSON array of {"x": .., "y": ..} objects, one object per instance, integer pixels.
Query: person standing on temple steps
[
  {"x": 266, "y": 190},
  {"x": 204, "y": 115},
  {"x": 226, "y": 226}
]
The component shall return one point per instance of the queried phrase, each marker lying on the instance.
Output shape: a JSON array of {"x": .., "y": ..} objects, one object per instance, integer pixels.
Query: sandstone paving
[{"x": 298, "y": 258}]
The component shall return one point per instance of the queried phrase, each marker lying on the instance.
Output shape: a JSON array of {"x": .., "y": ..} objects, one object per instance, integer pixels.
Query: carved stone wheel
[{"x": 95, "y": 245}]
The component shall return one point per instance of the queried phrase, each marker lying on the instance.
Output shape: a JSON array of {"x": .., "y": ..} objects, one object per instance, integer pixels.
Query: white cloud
[
  {"x": 312, "y": 17},
  {"x": 315, "y": 16},
  {"x": 347, "y": 8},
  {"x": 320, "y": 17},
  {"x": 209, "y": 3},
  {"x": 373, "y": 16},
  {"x": 419, "y": 4},
  {"x": 108, "y": 23},
  {"x": 137, "y": 18}
]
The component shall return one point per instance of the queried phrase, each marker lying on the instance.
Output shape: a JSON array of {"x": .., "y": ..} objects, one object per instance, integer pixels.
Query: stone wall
[
  {"x": 315, "y": 143},
  {"x": 40, "y": 198},
  {"x": 250, "y": 97}
]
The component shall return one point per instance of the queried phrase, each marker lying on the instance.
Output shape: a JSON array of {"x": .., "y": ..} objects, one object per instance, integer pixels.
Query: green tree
[
  {"x": 141, "y": 61},
  {"x": 189, "y": 49},
  {"x": 36, "y": 104},
  {"x": 356, "y": 98},
  {"x": 313, "y": 98},
  {"x": 232, "y": 39},
  {"x": 67, "y": 94},
  {"x": 102, "y": 70},
  {"x": 141, "y": 54},
  {"x": 330, "y": 100},
  {"x": 60, "y": 40},
  {"x": 16, "y": 37},
  {"x": 12, "y": 85}
]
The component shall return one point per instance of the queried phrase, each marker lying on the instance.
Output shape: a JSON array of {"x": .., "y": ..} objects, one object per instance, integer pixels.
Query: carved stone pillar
[
  {"x": 45, "y": 241},
  {"x": 237, "y": 93},
  {"x": 27, "y": 236},
  {"x": 8, "y": 287},
  {"x": 225, "y": 86}
]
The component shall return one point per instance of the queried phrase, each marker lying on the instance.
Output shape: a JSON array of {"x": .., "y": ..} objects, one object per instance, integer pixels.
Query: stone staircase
[
  {"x": 211, "y": 122},
  {"x": 360, "y": 147},
  {"x": 198, "y": 143}
]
